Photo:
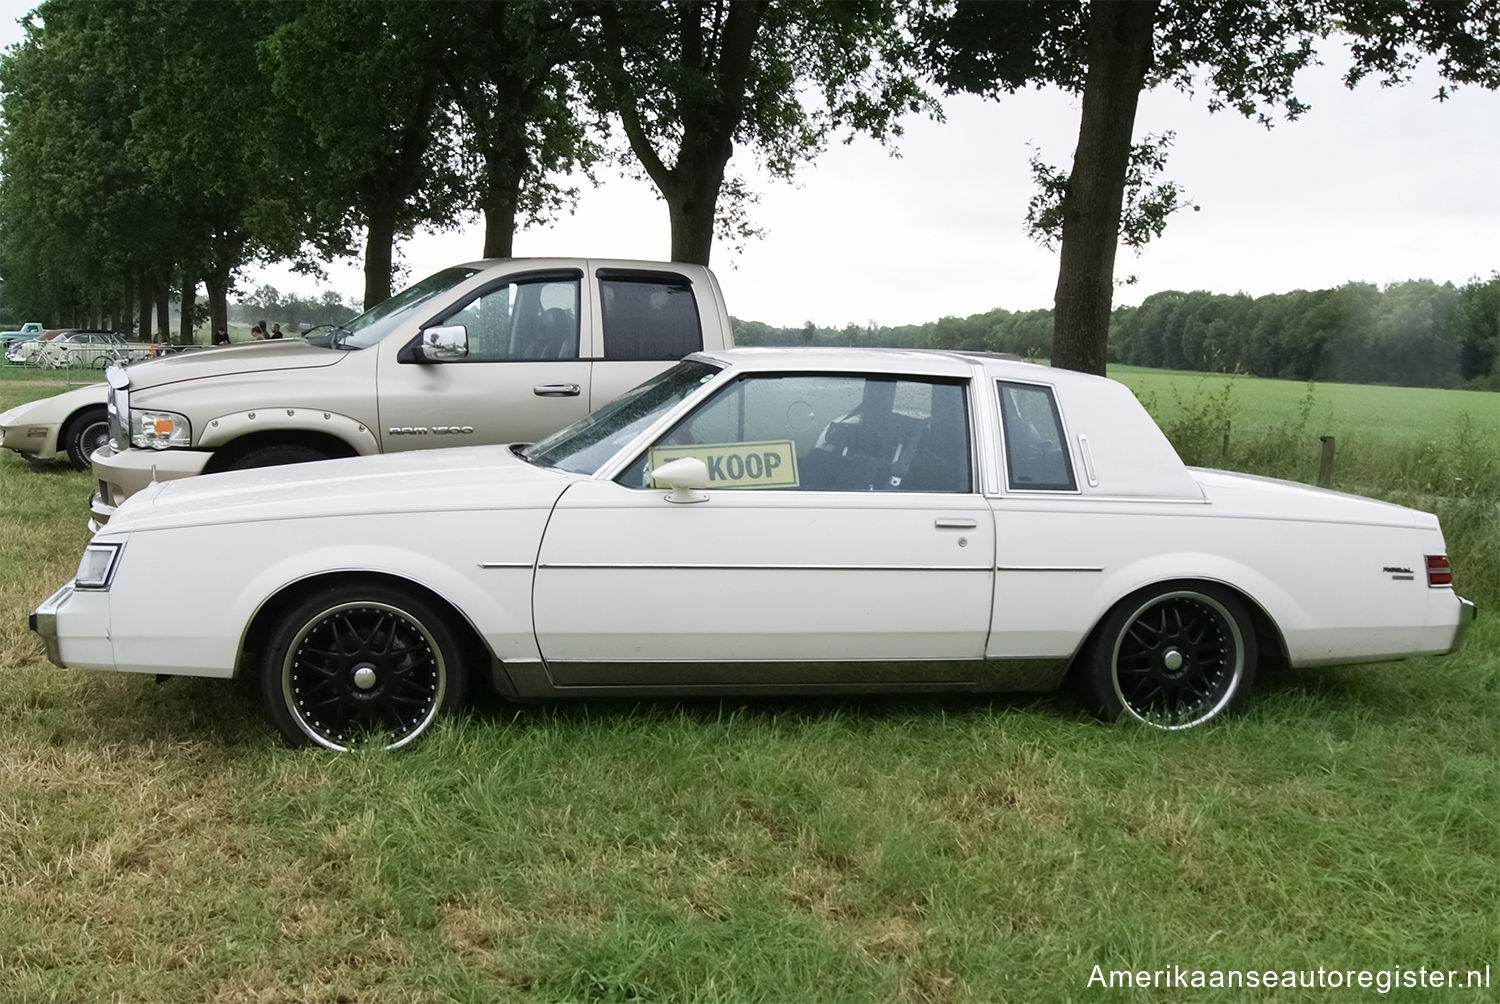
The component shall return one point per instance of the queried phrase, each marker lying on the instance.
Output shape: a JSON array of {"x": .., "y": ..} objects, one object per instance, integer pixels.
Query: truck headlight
[
  {"x": 159, "y": 430},
  {"x": 97, "y": 566}
]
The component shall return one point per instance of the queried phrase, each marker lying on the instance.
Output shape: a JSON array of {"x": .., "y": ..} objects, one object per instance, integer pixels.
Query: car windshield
[
  {"x": 584, "y": 446},
  {"x": 380, "y": 320}
]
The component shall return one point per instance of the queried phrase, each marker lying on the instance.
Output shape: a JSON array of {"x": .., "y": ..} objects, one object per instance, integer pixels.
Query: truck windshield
[
  {"x": 584, "y": 446},
  {"x": 383, "y": 318}
]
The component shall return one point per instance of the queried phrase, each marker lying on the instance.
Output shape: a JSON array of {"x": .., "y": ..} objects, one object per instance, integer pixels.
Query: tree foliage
[
  {"x": 510, "y": 74},
  {"x": 691, "y": 81},
  {"x": 1244, "y": 56}
]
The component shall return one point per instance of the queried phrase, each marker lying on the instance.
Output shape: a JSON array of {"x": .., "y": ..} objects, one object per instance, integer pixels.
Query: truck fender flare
[{"x": 227, "y": 428}]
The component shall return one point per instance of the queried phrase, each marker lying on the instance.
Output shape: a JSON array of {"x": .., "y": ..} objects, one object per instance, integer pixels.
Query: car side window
[
  {"x": 824, "y": 432},
  {"x": 649, "y": 318},
  {"x": 1036, "y": 458},
  {"x": 521, "y": 321}
]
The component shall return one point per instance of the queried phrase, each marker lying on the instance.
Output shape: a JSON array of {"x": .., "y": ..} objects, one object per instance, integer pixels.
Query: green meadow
[{"x": 157, "y": 844}]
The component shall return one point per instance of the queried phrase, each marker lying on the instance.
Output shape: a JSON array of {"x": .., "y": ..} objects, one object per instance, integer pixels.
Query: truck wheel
[
  {"x": 356, "y": 663},
  {"x": 85, "y": 434},
  {"x": 276, "y": 456}
]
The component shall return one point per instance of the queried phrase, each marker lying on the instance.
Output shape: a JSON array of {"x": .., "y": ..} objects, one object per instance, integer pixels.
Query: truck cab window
[
  {"x": 649, "y": 318},
  {"x": 522, "y": 321}
]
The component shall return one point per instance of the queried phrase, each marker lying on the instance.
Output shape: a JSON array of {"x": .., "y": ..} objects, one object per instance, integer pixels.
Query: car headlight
[
  {"x": 98, "y": 566},
  {"x": 159, "y": 430}
]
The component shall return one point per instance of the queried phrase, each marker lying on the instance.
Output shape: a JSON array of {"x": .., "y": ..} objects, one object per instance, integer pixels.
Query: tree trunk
[
  {"x": 218, "y": 304},
  {"x": 692, "y": 208},
  {"x": 1119, "y": 54},
  {"x": 381, "y": 235},
  {"x": 163, "y": 297},
  {"x": 145, "y": 295},
  {"x": 500, "y": 206},
  {"x": 189, "y": 308}
]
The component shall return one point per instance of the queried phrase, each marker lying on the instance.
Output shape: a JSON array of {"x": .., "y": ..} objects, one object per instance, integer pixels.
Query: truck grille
[{"x": 117, "y": 404}]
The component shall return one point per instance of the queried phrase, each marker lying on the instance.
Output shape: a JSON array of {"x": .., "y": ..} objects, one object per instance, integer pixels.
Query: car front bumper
[
  {"x": 74, "y": 626},
  {"x": 35, "y": 440},
  {"x": 122, "y": 474}
]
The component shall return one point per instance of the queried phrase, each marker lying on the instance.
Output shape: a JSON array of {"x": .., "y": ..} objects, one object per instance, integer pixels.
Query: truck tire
[
  {"x": 85, "y": 433},
  {"x": 275, "y": 456}
]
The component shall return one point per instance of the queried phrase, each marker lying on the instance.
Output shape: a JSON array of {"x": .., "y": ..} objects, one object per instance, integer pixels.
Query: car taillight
[{"x": 1439, "y": 573}]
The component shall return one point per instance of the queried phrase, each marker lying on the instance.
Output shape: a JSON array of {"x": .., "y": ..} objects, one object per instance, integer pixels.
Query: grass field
[{"x": 157, "y": 844}]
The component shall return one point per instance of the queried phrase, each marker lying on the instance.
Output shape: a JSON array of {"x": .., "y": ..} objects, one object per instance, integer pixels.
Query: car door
[
  {"x": 841, "y": 543},
  {"x": 525, "y": 374}
]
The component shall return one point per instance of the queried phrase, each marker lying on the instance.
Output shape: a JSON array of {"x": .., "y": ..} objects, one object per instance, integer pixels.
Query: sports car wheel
[
  {"x": 84, "y": 435},
  {"x": 358, "y": 664},
  {"x": 1172, "y": 658}
]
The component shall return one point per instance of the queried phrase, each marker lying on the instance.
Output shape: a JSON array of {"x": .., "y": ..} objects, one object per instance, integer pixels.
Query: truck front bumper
[{"x": 122, "y": 474}]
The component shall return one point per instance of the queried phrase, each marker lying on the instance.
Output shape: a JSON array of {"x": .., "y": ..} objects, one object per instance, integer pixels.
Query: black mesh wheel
[
  {"x": 1172, "y": 658},
  {"x": 360, "y": 664}
]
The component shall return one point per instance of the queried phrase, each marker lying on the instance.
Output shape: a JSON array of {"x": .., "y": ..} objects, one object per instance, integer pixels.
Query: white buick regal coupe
[{"x": 761, "y": 521}]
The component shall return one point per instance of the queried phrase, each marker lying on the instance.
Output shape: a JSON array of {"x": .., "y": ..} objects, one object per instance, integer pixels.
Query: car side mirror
[
  {"x": 686, "y": 476},
  {"x": 443, "y": 344}
]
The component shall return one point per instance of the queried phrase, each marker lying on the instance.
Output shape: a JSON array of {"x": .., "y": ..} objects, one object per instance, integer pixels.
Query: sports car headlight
[
  {"x": 159, "y": 430},
  {"x": 97, "y": 566}
]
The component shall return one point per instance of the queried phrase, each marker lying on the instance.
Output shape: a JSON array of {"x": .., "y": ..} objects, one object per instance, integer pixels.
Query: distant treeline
[
  {"x": 1417, "y": 333},
  {"x": 291, "y": 311}
]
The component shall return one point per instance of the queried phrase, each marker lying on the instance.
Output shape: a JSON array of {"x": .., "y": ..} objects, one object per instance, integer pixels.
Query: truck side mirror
[{"x": 442, "y": 344}]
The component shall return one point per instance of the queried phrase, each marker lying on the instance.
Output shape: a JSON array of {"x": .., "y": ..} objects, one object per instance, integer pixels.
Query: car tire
[
  {"x": 85, "y": 433},
  {"x": 276, "y": 456},
  {"x": 1171, "y": 657},
  {"x": 357, "y": 663}
]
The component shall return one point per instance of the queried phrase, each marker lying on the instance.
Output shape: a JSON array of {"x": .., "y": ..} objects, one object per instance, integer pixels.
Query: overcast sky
[{"x": 1377, "y": 184}]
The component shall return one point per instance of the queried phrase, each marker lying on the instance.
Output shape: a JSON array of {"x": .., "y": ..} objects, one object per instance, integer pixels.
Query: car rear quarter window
[
  {"x": 1036, "y": 455},
  {"x": 649, "y": 316}
]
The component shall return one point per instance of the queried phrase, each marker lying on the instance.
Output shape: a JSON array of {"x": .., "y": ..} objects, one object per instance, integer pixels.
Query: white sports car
[
  {"x": 74, "y": 423},
  {"x": 760, "y": 521}
]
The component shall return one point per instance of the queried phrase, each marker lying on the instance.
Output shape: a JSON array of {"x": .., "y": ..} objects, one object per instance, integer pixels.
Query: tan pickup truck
[{"x": 494, "y": 351}]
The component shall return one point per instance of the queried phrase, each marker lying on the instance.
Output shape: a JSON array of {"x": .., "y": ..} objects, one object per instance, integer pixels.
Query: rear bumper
[{"x": 1467, "y": 611}]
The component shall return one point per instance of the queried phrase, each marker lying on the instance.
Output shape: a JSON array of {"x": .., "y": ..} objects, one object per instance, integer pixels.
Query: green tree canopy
[{"x": 691, "y": 81}]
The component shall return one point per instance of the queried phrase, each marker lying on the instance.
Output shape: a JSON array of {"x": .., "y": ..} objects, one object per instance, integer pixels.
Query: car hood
[
  {"x": 423, "y": 481},
  {"x": 256, "y": 357},
  {"x": 1258, "y": 497},
  {"x": 48, "y": 410}
]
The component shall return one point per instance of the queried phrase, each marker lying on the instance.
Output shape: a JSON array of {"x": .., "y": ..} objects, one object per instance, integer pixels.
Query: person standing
[{"x": 276, "y": 330}]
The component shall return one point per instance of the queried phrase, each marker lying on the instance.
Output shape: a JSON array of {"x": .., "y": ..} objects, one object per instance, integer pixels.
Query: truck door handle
[
  {"x": 955, "y": 524},
  {"x": 557, "y": 390}
]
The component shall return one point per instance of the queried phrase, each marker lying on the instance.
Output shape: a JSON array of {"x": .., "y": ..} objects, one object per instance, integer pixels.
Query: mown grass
[{"x": 156, "y": 843}]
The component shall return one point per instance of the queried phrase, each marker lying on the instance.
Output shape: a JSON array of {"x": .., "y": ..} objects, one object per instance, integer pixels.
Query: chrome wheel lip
[
  {"x": 1227, "y": 690},
  {"x": 289, "y": 664}
]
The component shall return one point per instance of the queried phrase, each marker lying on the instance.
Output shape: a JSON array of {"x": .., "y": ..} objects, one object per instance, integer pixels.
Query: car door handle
[
  {"x": 955, "y": 524},
  {"x": 557, "y": 390}
]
